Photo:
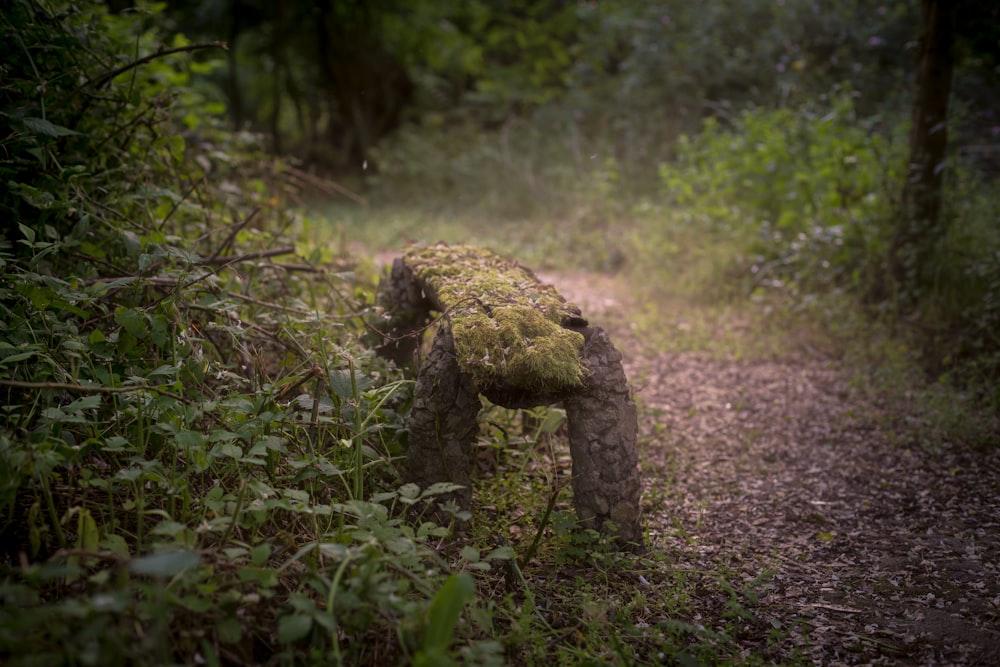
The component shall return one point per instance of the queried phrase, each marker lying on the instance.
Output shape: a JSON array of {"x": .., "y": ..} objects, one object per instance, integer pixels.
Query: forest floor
[{"x": 865, "y": 546}]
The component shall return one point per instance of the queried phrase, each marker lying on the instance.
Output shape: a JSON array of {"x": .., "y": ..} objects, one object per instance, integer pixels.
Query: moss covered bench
[{"x": 515, "y": 340}]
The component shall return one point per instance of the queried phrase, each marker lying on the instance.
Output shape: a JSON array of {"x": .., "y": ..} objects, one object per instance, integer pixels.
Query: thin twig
[
  {"x": 328, "y": 187},
  {"x": 176, "y": 282},
  {"x": 103, "y": 79},
  {"x": 305, "y": 268},
  {"x": 91, "y": 389},
  {"x": 177, "y": 204},
  {"x": 227, "y": 261},
  {"x": 235, "y": 230}
]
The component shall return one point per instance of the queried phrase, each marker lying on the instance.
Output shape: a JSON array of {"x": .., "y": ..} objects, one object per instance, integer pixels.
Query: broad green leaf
[
  {"x": 48, "y": 128},
  {"x": 20, "y": 356},
  {"x": 116, "y": 544},
  {"x": 84, "y": 403},
  {"x": 165, "y": 564},
  {"x": 132, "y": 321},
  {"x": 166, "y": 370},
  {"x": 501, "y": 553},
  {"x": 293, "y": 627},
  {"x": 168, "y": 528},
  {"x": 229, "y": 629},
  {"x": 340, "y": 383},
  {"x": 29, "y": 233},
  {"x": 445, "y": 608},
  {"x": 260, "y": 553},
  {"x": 227, "y": 450}
]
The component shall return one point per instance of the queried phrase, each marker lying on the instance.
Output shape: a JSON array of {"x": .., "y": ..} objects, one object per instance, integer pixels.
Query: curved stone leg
[
  {"x": 603, "y": 427},
  {"x": 443, "y": 422}
]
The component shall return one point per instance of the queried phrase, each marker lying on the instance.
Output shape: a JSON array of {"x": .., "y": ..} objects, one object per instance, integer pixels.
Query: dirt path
[{"x": 881, "y": 552}]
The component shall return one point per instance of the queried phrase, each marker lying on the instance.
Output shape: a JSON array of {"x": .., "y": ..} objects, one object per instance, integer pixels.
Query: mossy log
[{"x": 515, "y": 340}]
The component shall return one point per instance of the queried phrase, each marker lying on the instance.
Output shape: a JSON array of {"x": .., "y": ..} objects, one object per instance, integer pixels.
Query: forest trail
[{"x": 864, "y": 547}]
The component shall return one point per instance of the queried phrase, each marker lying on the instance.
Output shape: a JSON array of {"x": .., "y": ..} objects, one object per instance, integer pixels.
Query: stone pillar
[
  {"x": 443, "y": 421},
  {"x": 601, "y": 417},
  {"x": 403, "y": 317},
  {"x": 603, "y": 428}
]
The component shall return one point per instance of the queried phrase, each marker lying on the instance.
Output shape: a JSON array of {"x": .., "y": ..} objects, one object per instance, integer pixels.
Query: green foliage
[
  {"x": 810, "y": 191},
  {"x": 194, "y": 451}
]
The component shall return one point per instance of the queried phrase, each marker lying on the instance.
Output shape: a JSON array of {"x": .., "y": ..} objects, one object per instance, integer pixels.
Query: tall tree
[{"x": 921, "y": 225}]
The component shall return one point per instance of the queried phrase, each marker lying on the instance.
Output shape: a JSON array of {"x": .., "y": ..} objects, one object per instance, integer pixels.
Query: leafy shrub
[
  {"x": 194, "y": 450},
  {"x": 804, "y": 202},
  {"x": 809, "y": 189}
]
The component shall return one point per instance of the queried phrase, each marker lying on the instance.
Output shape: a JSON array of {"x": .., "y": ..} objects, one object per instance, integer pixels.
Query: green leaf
[
  {"x": 260, "y": 553},
  {"x": 227, "y": 450},
  {"x": 132, "y": 321},
  {"x": 169, "y": 528},
  {"x": 34, "y": 197},
  {"x": 229, "y": 629},
  {"x": 20, "y": 356},
  {"x": 116, "y": 544},
  {"x": 444, "y": 610},
  {"x": 554, "y": 418},
  {"x": 87, "y": 537},
  {"x": 340, "y": 383},
  {"x": 164, "y": 370},
  {"x": 84, "y": 403},
  {"x": 293, "y": 628},
  {"x": 48, "y": 128},
  {"x": 501, "y": 553},
  {"x": 28, "y": 232},
  {"x": 165, "y": 564}
]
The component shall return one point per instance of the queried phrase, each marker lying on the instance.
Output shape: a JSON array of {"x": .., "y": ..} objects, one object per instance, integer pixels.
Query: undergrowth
[{"x": 198, "y": 458}]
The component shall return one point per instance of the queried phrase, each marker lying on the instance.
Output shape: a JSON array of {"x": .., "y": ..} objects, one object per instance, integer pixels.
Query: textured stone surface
[
  {"x": 443, "y": 422},
  {"x": 603, "y": 427},
  {"x": 404, "y": 314}
]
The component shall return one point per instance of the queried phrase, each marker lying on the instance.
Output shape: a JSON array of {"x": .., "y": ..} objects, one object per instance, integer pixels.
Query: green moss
[{"x": 507, "y": 326}]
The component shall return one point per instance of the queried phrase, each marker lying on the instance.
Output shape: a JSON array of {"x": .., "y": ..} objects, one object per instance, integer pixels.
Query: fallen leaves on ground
[{"x": 882, "y": 550}]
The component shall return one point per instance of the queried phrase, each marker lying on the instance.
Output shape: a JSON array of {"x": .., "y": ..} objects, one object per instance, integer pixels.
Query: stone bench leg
[
  {"x": 443, "y": 425},
  {"x": 603, "y": 427}
]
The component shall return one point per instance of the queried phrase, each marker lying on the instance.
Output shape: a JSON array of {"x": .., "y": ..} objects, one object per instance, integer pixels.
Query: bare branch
[{"x": 103, "y": 79}]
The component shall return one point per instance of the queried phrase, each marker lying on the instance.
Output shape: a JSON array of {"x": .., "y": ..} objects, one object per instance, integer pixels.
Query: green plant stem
[
  {"x": 236, "y": 512},
  {"x": 53, "y": 513},
  {"x": 541, "y": 526},
  {"x": 331, "y": 599},
  {"x": 359, "y": 477},
  {"x": 91, "y": 389}
]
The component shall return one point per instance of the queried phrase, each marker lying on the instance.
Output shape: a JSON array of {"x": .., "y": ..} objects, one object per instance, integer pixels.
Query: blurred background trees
[
  {"x": 347, "y": 73},
  {"x": 522, "y": 108},
  {"x": 832, "y": 145}
]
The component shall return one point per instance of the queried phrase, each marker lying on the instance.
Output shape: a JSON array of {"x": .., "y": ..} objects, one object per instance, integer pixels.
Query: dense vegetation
[{"x": 198, "y": 453}]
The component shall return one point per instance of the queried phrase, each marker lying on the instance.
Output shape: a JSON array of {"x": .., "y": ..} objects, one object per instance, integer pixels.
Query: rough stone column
[
  {"x": 405, "y": 312},
  {"x": 603, "y": 427},
  {"x": 443, "y": 422}
]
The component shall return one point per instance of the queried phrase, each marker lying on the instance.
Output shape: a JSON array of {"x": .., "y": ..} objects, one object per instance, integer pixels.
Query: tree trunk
[
  {"x": 233, "y": 81},
  {"x": 278, "y": 59},
  {"x": 921, "y": 227}
]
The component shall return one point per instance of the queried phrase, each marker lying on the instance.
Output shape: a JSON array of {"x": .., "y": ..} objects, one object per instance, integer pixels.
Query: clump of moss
[{"x": 508, "y": 327}]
